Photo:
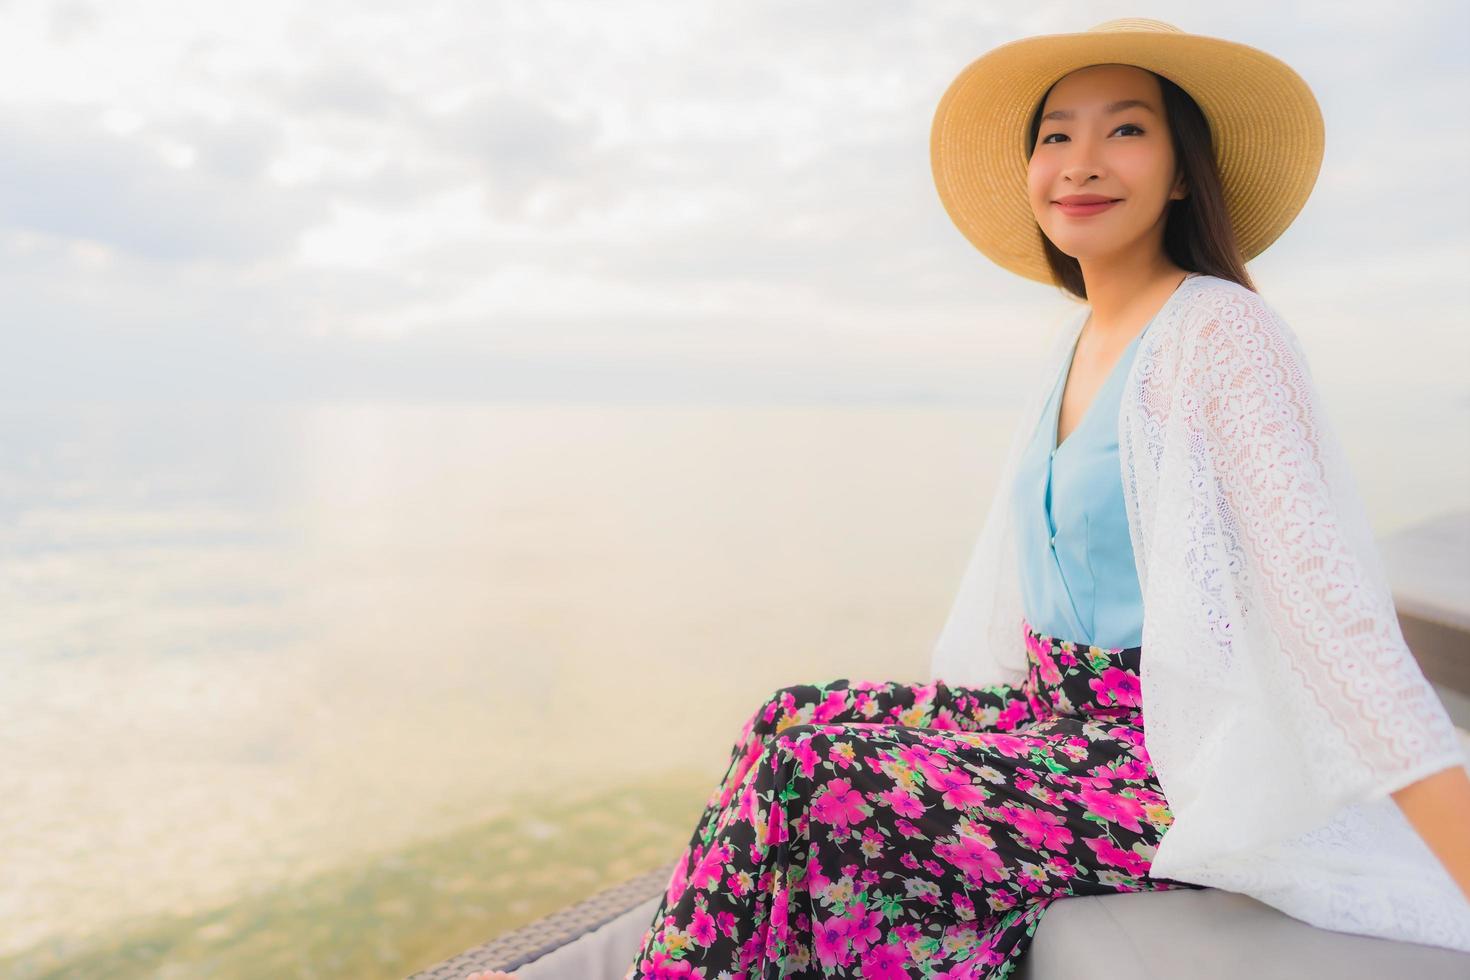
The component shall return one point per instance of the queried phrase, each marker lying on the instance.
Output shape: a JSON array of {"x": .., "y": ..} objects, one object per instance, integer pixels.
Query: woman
[{"x": 891, "y": 829}]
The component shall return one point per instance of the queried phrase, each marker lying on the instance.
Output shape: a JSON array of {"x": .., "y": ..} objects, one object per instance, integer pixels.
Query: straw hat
[{"x": 1266, "y": 126}]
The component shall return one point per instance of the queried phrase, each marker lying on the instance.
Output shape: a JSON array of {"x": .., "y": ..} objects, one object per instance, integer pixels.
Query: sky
[{"x": 633, "y": 201}]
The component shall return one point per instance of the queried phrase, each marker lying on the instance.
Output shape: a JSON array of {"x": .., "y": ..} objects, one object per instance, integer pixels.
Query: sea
[{"x": 246, "y": 646}]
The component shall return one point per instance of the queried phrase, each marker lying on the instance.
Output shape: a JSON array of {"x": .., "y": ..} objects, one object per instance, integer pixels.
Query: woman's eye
[{"x": 1048, "y": 136}]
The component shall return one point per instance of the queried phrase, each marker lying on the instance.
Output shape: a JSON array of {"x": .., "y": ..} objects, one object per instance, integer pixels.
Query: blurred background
[{"x": 427, "y": 431}]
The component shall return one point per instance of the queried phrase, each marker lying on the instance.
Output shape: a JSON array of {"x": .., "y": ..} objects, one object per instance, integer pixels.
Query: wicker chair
[{"x": 1206, "y": 934}]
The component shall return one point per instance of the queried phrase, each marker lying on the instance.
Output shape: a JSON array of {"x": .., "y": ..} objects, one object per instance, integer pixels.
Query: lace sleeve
[{"x": 1294, "y": 522}]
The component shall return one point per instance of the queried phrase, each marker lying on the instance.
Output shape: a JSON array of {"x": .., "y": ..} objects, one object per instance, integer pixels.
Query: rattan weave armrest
[{"x": 536, "y": 939}]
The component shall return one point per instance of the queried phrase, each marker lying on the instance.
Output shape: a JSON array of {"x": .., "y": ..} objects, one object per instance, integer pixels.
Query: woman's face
[{"x": 1125, "y": 156}]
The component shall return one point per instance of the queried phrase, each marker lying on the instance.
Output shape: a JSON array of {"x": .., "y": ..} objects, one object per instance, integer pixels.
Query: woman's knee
[
  {"x": 794, "y": 742},
  {"x": 786, "y": 703}
]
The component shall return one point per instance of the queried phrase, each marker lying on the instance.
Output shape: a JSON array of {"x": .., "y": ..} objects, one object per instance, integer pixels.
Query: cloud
[
  {"x": 64, "y": 176},
  {"x": 518, "y": 145},
  {"x": 341, "y": 88},
  {"x": 339, "y": 192}
]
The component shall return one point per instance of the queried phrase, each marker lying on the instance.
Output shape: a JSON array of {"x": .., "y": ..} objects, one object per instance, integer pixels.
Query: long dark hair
[{"x": 1198, "y": 235}]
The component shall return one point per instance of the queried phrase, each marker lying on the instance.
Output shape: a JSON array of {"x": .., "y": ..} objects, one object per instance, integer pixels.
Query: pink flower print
[
  {"x": 964, "y": 970},
  {"x": 1132, "y": 769},
  {"x": 776, "y": 825},
  {"x": 771, "y": 942},
  {"x": 726, "y": 922},
  {"x": 959, "y": 792},
  {"x": 816, "y": 881},
  {"x": 702, "y": 928},
  {"x": 986, "y": 953},
  {"x": 1075, "y": 753},
  {"x": 1047, "y": 667},
  {"x": 1032, "y": 877},
  {"x": 1001, "y": 901},
  {"x": 1111, "y": 806},
  {"x": 904, "y": 803},
  {"x": 1014, "y": 713},
  {"x": 834, "y": 704},
  {"x": 800, "y": 749},
  {"x": 1126, "y": 733},
  {"x": 780, "y": 911},
  {"x": 752, "y": 753},
  {"x": 1040, "y": 828},
  {"x": 885, "y": 962},
  {"x": 660, "y": 966},
  {"x": 923, "y": 760},
  {"x": 678, "y": 881},
  {"x": 944, "y": 720},
  {"x": 708, "y": 868},
  {"x": 862, "y": 927},
  {"x": 1047, "y": 795},
  {"x": 768, "y": 715},
  {"x": 832, "y": 946},
  {"x": 1147, "y": 797},
  {"x": 839, "y": 804},
  {"x": 1013, "y": 746},
  {"x": 1109, "y": 853},
  {"x": 1117, "y": 686},
  {"x": 841, "y": 754},
  {"x": 750, "y": 949},
  {"x": 1095, "y": 780},
  {"x": 924, "y": 693},
  {"x": 748, "y": 799},
  {"x": 1062, "y": 868},
  {"x": 970, "y": 855},
  {"x": 907, "y": 829}
]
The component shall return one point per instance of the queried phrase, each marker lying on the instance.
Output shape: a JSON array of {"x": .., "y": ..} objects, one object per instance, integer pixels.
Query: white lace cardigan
[{"x": 1281, "y": 705}]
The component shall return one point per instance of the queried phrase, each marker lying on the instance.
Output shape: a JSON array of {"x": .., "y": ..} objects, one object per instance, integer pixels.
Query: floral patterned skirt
[{"x": 881, "y": 829}]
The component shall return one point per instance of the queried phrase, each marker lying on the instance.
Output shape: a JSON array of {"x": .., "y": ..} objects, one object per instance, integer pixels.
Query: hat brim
[{"x": 1267, "y": 129}]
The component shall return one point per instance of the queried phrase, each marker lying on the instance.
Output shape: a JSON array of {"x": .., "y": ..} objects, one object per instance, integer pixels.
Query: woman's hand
[{"x": 1439, "y": 808}]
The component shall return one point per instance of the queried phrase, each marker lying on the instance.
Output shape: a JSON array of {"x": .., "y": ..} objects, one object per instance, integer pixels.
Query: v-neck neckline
[{"x": 1061, "y": 391}]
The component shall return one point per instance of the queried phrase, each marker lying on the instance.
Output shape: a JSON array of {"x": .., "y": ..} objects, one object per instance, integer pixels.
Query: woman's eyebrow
[{"x": 1110, "y": 108}]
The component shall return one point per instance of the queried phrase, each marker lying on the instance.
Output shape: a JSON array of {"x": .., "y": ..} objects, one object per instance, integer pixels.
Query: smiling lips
[{"x": 1080, "y": 205}]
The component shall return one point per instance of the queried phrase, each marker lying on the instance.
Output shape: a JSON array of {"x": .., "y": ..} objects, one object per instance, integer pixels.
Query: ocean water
[{"x": 242, "y": 645}]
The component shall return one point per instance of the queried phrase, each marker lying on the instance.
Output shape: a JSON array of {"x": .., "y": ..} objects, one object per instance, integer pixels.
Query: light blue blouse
[{"x": 1078, "y": 578}]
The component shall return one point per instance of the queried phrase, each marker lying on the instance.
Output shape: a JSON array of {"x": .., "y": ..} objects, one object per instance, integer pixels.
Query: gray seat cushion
[
  {"x": 605, "y": 953},
  {"x": 1212, "y": 934},
  {"x": 1206, "y": 934}
]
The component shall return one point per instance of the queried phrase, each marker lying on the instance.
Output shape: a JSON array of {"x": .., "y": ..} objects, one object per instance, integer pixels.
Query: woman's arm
[{"x": 1439, "y": 808}]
